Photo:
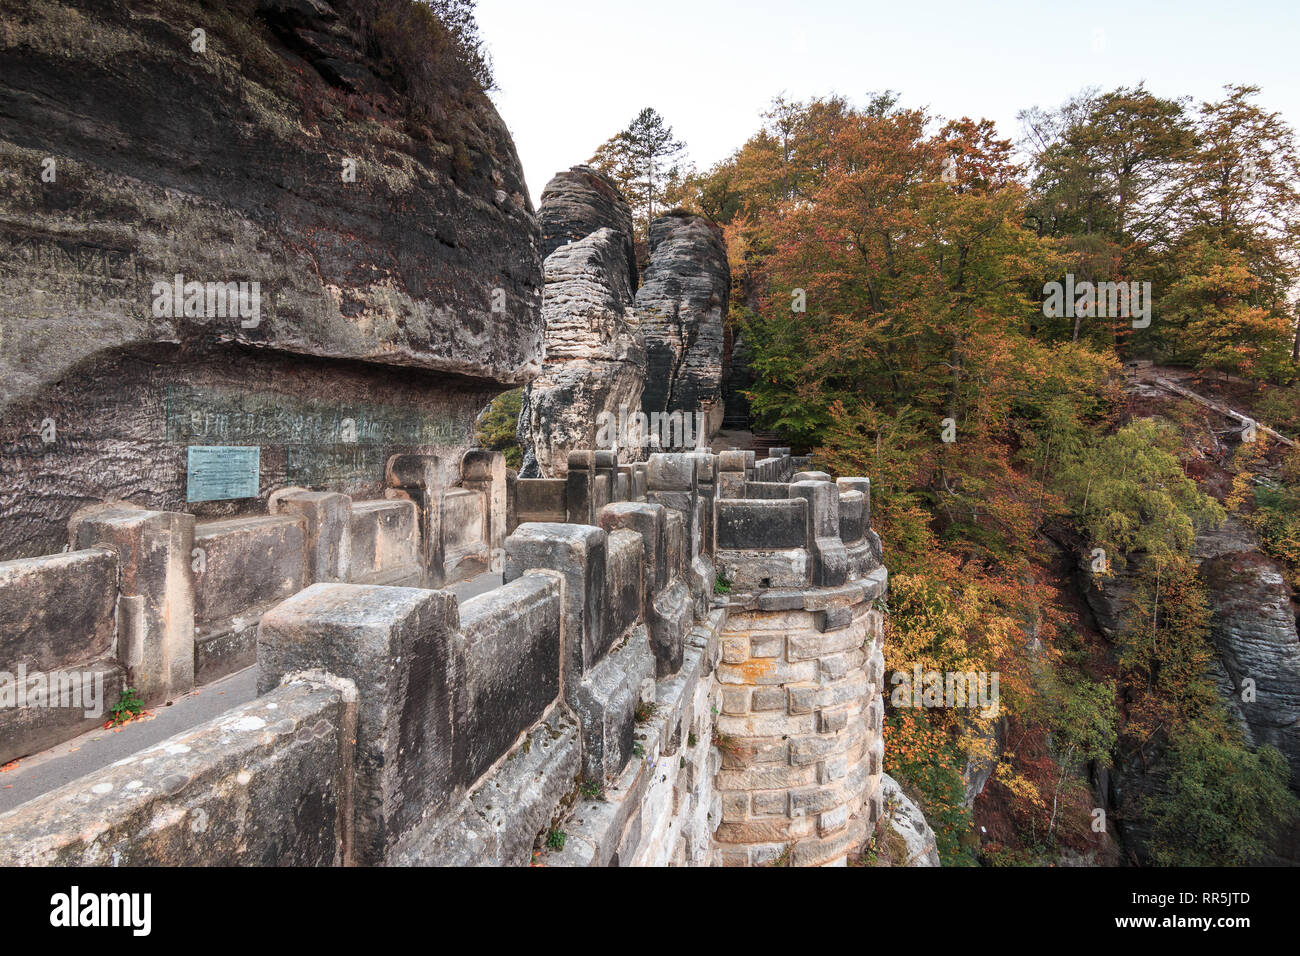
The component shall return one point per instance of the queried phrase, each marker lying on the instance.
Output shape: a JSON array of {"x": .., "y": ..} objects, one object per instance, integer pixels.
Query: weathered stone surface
[
  {"x": 327, "y": 518},
  {"x": 681, "y": 308},
  {"x": 595, "y": 359},
  {"x": 155, "y": 614},
  {"x": 504, "y": 817},
  {"x": 907, "y": 820},
  {"x": 579, "y": 201},
  {"x": 508, "y": 658},
  {"x": 258, "y": 786},
  {"x": 1254, "y": 628},
  {"x": 74, "y": 701},
  {"x": 427, "y": 261},
  {"x": 605, "y": 702},
  {"x": 57, "y": 610},
  {"x": 394, "y": 644},
  {"x": 385, "y": 546},
  {"x": 762, "y": 524},
  {"x": 578, "y": 553},
  {"x": 242, "y": 566},
  {"x": 247, "y": 562}
]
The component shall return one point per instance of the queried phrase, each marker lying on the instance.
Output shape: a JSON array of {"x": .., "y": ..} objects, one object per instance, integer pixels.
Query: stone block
[
  {"x": 420, "y": 478},
  {"x": 263, "y": 784},
  {"x": 243, "y": 563},
  {"x": 852, "y": 509},
  {"x": 649, "y": 522},
  {"x": 484, "y": 471},
  {"x": 394, "y": 644},
  {"x": 507, "y": 656},
  {"x": 605, "y": 701},
  {"x": 57, "y": 610},
  {"x": 772, "y": 525},
  {"x": 579, "y": 491},
  {"x": 578, "y": 553},
  {"x": 624, "y": 595},
  {"x": 155, "y": 613},
  {"x": 385, "y": 545},
  {"x": 830, "y": 559},
  {"x": 54, "y": 706},
  {"x": 540, "y": 499},
  {"x": 863, "y": 487},
  {"x": 328, "y": 518},
  {"x": 671, "y": 615}
]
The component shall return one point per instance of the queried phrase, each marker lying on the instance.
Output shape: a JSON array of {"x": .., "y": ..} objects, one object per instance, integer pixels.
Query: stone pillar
[
  {"x": 155, "y": 611},
  {"x": 394, "y": 645},
  {"x": 606, "y": 464},
  {"x": 800, "y": 727},
  {"x": 417, "y": 476},
  {"x": 329, "y": 529},
  {"x": 732, "y": 473},
  {"x": 580, "y": 490},
  {"x": 485, "y": 472},
  {"x": 830, "y": 559}
]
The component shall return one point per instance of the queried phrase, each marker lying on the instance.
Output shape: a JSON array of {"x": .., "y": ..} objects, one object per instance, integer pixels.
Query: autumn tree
[
  {"x": 1105, "y": 181},
  {"x": 1237, "y": 260},
  {"x": 646, "y": 161}
]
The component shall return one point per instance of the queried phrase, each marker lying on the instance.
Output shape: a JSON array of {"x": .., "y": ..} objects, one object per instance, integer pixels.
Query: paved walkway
[{"x": 43, "y": 772}]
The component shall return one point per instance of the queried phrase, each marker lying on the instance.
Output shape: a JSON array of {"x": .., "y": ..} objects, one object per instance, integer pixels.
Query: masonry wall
[
  {"x": 605, "y": 705},
  {"x": 163, "y": 602}
]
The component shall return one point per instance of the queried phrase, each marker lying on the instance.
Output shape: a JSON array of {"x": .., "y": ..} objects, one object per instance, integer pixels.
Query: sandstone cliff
[
  {"x": 383, "y": 216},
  {"x": 595, "y": 361},
  {"x": 681, "y": 309}
]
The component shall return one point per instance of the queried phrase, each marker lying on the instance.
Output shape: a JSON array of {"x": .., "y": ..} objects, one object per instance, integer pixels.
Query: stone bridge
[{"x": 674, "y": 661}]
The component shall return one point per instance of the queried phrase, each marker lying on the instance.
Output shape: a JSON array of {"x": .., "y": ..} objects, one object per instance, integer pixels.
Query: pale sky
[{"x": 573, "y": 72}]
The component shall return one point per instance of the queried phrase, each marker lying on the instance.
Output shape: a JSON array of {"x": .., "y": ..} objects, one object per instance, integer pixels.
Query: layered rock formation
[
  {"x": 595, "y": 360},
  {"x": 577, "y": 202},
  {"x": 385, "y": 223},
  {"x": 681, "y": 309},
  {"x": 1254, "y": 630},
  {"x": 919, "y": 847}
]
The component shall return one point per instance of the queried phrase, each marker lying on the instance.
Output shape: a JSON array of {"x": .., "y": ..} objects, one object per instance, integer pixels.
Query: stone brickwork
[
  {"x": 800, "y": 728},
  {"x": 684, "y": 669}
]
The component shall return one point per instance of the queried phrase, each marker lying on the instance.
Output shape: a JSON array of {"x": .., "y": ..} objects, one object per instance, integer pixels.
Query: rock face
[
  {"x": 389, "y": 235},
  {"x": 595, "y": 360},
  {"x": 577, "y": 202},
  {"x": 736, "y": 379},
  {"x": 907, "y": 820},
  {"x": 681, "y": 309},
  {"x": 1254, "y": 629}
]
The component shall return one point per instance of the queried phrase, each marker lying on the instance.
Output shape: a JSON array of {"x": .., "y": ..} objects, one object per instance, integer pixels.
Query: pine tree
[{"x": 645, "y": 161}]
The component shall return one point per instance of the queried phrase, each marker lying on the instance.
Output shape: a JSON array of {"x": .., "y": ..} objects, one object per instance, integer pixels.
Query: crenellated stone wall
[{"x": 606, "y": 702}]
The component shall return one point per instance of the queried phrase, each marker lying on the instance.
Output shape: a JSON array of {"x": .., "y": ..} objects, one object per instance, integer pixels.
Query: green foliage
[
  {"x": 1221, "y": 805},
  {"x": 1128, "y": 493},
  {"x": 555, "y": 840},
  {"x": 128, "y": 705},
  {"x": 721, "y": 585},
  {"x": 929, "y": 768},
  {"x": 647, "y": 163},
  {"x": 496, "y": 427}
]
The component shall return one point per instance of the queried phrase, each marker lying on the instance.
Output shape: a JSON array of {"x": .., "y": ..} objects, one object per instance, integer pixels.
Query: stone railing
[
  {"x": 606, "y": 690},
  {"x": 162, "y": 602}
]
